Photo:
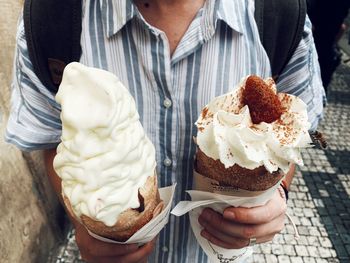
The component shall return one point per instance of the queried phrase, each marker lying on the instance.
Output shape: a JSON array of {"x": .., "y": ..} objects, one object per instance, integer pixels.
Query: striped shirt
[{"x": 219, "y": 48}]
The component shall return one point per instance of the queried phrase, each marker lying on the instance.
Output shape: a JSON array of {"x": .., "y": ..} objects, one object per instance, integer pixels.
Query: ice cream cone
[
  {"x": 258, "y": 179},
  {"x": 129, "y": 221},
  {"x": 105, "y": 160},
  {"x": 248, "y": 138}
]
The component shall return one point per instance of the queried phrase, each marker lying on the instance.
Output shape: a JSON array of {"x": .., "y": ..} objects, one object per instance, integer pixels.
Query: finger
[
  {"x": 210, "y": 219},
  {"x": 216, "y": 241},
  {"x": 215, "y": 223},
  {"x": 92, "y": 259},
  {"x": 94, "y": 247},
  {"x": 257, "y": 215},
  {"x": 112, "y": 260},
  {"x": 214, "y": 232},
  {"x": 260, "y": 240},
  {"x": 140, "y": 255},
  {"x": 269, "y": 229},
  {"x": 107, "y": 249}
]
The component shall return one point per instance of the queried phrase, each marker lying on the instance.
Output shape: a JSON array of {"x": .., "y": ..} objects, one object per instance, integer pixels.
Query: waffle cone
[
  {"x": 258, "y": 179},
  {"x": 129, "y": 221}
]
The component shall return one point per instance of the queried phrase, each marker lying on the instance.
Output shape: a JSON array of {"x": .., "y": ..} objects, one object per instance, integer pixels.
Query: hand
[
  {"x": 237, "y": 225},
  {"x": 96, "y": 251},
  {"x": 91, "y": 249}
]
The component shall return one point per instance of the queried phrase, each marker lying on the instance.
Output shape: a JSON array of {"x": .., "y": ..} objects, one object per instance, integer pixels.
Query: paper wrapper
[
  {"x": 149, "y": 231},
  {"x": 210, "y": 194}
]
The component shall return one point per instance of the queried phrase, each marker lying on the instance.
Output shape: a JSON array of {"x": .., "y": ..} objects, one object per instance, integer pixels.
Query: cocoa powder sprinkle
[{"x": 204, "y": 112}]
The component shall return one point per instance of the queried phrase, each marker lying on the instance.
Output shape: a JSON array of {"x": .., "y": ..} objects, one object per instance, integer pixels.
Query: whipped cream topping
[
  {"x": 226, "y": 132},
  {"x": 105, "y": 156}
]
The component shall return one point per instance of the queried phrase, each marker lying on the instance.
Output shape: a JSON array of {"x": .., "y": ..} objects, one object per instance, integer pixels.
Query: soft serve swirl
[
  {"x": 104, "y": 156},
  {"x": 226, "y": 132}
]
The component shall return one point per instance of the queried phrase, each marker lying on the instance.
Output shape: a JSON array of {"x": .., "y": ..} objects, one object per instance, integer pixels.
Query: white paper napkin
[
  {"x": 153, "y": 227},
  {"x": 219, "y": 202}
]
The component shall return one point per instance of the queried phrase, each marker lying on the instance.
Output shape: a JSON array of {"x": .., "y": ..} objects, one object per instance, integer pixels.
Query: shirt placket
[
  {"x": 168, "y": 117},
  {"x": 167, "y": 128}
]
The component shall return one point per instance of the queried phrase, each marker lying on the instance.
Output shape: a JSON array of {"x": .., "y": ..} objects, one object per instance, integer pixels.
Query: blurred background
[
  {"x": 32, "y": 224},
  {"x": 30, "y": 218}
]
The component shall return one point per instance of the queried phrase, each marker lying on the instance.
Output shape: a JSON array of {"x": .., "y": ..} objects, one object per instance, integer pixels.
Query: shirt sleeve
[
  {"x": 34, "y": 122},
  {"x": 301, "y": 77}
]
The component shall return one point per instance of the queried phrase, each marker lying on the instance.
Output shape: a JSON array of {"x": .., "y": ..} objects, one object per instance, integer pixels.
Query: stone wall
[{"x": 29, "y": 210}]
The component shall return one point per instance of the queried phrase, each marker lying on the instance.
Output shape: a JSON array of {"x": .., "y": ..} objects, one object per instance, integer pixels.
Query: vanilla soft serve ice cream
[
  {"x": 226, "y": 132},
  {"x": 105, "y": 156}
]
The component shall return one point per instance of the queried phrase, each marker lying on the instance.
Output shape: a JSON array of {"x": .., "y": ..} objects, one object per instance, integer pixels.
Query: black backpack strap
[
  {"x": 52, "y": 29},
  {"x": 281, "y": 25}
]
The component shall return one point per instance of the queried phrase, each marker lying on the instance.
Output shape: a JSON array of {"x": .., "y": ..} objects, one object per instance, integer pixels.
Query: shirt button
[
  {"x": 167, "y": 162},
  {"x": 167, "y": 103},
  {"x": 165, "y": 249}
]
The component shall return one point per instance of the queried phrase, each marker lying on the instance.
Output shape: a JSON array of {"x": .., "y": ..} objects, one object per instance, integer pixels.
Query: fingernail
[{"x": 229, "y": 215}]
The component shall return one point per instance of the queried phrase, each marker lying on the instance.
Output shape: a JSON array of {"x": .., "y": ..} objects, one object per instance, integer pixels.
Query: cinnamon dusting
[{"x": 204, "y": 112}]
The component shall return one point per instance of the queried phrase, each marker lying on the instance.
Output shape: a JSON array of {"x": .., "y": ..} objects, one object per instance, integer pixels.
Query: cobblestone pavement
[{"x": 319, "y": 198}]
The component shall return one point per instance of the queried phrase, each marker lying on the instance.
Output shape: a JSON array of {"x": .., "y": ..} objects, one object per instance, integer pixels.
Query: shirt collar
[
  {"x": 233, "y": 13},
  {"x": 116, "y": 13}
]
